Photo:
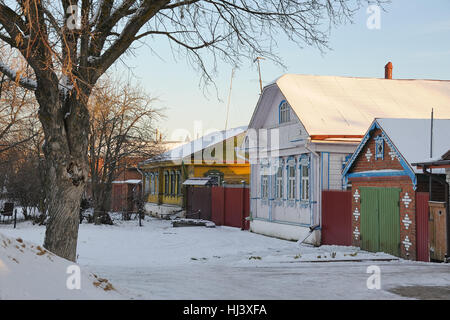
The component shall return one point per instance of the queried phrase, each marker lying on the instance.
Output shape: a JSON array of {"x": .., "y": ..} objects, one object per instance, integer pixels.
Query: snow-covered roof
[
  {"x": 411, "y": 137},
  {"x": 197, "y": 145},
  {"x": 410, "y": 140},
  {"x": 330, "y": 105},
  {"x": 197, "y": 181},
  {"x": 131, "y": 181}
]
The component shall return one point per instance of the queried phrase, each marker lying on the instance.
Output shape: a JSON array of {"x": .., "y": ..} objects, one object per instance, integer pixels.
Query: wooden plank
[
  {"x": 438, "y": 231},
  {"x": 423, "y": 247}
]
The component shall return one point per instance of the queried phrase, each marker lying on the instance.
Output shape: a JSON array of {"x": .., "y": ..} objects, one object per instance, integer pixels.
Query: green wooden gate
[{"x": 380, "y": 220}]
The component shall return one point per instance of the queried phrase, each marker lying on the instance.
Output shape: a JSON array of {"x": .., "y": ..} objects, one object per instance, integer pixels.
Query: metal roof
[
  {"x": 131, "y": 181},
  {"x": 412, "y": 137},
  {"x": 197, "y": 181},
  {"x": 187, "y": 149},
  {"x": 330, "y": 105}
]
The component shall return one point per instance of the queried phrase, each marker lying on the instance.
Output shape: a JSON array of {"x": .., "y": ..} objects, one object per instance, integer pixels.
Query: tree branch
[{"x": 23, "y": 82}]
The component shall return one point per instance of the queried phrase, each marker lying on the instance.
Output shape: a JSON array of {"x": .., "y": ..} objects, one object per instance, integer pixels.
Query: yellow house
[{"x": 216, "y": 155}]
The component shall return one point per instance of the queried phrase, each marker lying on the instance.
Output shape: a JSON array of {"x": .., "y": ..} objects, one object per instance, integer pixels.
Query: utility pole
[{"x": 259, "y": 71}]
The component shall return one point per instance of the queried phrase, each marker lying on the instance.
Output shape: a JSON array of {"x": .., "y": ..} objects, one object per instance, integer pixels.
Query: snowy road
[
  {"x": 318, "y": 281},
  {"x": 161, "y": 262}
]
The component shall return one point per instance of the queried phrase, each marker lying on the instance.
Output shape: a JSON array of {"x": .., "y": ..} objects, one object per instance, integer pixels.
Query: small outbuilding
[
  {"x": 439, "y": 211},
  {"x": 389, "y": 195}
]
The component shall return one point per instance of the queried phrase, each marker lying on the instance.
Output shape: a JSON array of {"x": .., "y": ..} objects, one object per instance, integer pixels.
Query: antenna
[
  {"x": 431, "y": 134},
  {"x": 431, "y": 153},
  {"x": 259, "y": 70},
  {"x": 229, "y": 98}
]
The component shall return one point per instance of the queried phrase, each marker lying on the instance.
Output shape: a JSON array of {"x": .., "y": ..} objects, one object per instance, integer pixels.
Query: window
[
  {"x": 155, "y": 183},
  {"x": 147, "y": 183},
  {"x": 285, "y": 112},
  {"x": 279, "y": 183},
  {"x": 305, "y": 182},
  {"x": 265, "y": 187},
  {"x": 178, "y": 183},
  {"x": 172, "y": 182},
  {"x": 166, "y": 182},
  {"x": 291, "y": 182},
  {"x": 379, "y": 148},
  {"x": 216, "y": 176}
]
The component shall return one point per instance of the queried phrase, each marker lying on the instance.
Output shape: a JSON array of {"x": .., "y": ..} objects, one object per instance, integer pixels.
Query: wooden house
[
  {"x": 303, "y": 131},
  {"x": 215, "y": 155},
  {"x": 390, "y": 195}
]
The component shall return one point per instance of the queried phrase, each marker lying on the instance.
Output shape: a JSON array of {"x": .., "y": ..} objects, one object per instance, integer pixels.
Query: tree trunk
[
  {"x": 64, "y": 214},
  {"x": 65, "y": 121},
  {"x": 102, "y": 200}
]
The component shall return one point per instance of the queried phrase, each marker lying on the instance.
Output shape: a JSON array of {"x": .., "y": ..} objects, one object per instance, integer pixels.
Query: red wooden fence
[
  {"x": 230, "y": 205},
  {"x": 423, "y": 250},
  {"x": 336, "y": 217}
]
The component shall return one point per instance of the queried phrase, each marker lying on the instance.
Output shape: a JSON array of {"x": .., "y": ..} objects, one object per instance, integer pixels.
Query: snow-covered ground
[
  {"x": 28, "y": 271},
  {"x": 157, "y": 261}
]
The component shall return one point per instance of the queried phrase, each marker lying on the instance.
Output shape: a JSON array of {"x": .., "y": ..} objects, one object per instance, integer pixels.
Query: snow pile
[
  {"x": 28, "y": 271},
  {"x": 178, "y": 222},
  {"x": 327, "y": 253}
]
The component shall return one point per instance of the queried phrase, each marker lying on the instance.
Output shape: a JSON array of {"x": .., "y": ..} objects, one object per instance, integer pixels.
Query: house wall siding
[
  {"x": 232, "y": 174},
  {"x": 331, "y": 166},
  {"x": 293, "y": 143}
]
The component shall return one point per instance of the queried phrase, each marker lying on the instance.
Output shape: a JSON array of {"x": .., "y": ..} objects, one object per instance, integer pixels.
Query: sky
[{"x": 413, "y": 34}]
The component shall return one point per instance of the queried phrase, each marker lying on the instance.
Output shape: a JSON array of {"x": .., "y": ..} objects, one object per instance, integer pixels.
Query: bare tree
[
  {"x": 19, "y": 130},
  {"x": 65, "y": 59},
  {"x": 23, "y": 183},
  {"x": 122, "y": 133},
  {"x": 21, "y": 172},
  {"x": 17, "y": 111}
]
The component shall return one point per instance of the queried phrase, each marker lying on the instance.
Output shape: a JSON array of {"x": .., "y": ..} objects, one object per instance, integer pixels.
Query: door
[
  {"x": 438, "y": 231},
  {"x": 389, "y": 220},
  {"x": 380, "y": 220},
  {"x": 370, "y": 239}
]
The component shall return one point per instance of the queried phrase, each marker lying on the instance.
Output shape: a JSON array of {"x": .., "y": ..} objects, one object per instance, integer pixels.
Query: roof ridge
[{"x": 359, "y": 78}]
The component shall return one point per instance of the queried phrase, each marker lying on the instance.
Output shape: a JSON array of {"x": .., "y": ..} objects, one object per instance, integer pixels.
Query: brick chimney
[{"x": 388, "y": 70}]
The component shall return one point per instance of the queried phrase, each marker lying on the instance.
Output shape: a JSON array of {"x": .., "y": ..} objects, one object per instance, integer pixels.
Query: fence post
[
  {"x": 224, "y": 204},
  {"x": 243, "y": 206},
  {"x": 15, "y": 217}
]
